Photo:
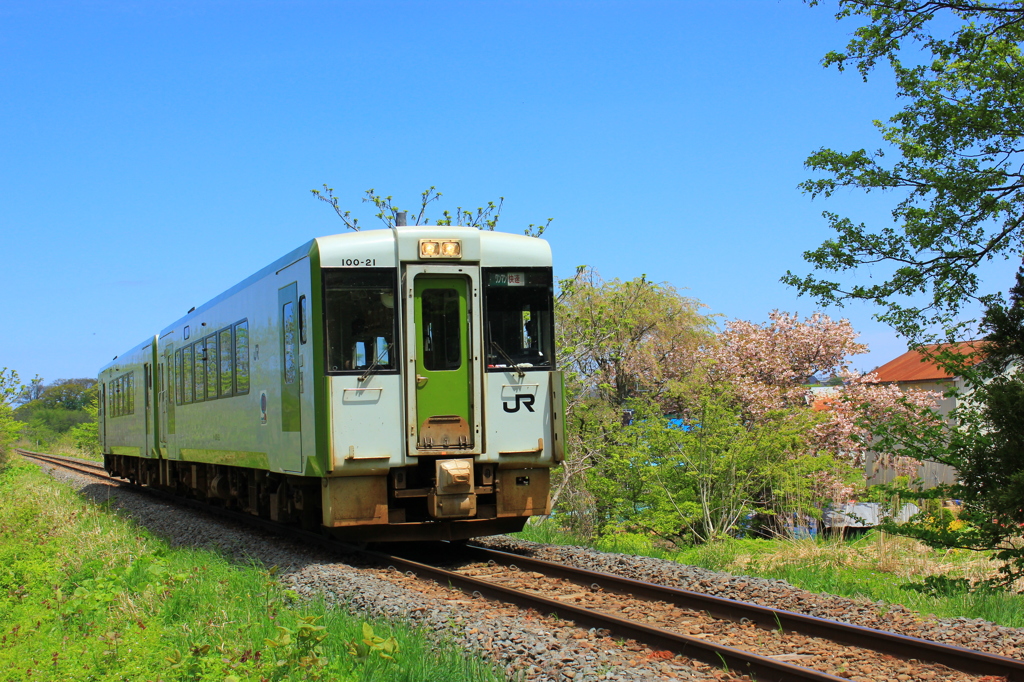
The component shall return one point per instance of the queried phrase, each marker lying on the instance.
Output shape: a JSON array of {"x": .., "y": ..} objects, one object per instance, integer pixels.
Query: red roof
[{"x": 914, "y": 366}]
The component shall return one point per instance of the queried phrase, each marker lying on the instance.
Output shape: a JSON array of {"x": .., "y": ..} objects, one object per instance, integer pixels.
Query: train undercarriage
[{"x": 401, "y": 506}]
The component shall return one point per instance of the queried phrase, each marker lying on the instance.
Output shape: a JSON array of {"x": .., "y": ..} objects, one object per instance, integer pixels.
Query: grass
[
  {"x": 61, "y": 446},
  {"x": 875, "y": 567},
  {"x": 87, "y": 595}
]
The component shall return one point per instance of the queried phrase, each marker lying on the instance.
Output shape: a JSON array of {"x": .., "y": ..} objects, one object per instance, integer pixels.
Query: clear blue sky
[{"x": 152, "y": 154}]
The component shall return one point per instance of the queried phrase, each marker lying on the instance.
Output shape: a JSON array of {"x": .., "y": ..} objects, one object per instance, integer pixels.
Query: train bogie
[{"x": 393, "y": 384}]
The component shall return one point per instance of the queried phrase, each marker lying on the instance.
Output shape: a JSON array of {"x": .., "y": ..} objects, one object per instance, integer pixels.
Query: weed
[
  {"x": 86, "y": 595},
  {"x": 876, "y": 567}
]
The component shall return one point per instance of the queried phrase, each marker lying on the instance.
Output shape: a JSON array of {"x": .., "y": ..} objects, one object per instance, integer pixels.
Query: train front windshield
[
  {"x": 519, "y": 319},
  {"x": 359, "y": 313}
]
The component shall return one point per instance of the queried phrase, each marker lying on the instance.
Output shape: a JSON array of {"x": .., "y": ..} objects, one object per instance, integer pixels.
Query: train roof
[
  {"x": 126, "y": 357},
  {"x": 483, "y": 247}
]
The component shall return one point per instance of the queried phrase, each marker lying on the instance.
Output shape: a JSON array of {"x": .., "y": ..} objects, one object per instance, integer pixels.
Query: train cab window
[
  {"x": 226, "y": 364},
  {"x": 212, "y": 367},
  {"x": 242, "y": 357},
  {"x": 519, "y": 319},
  {"x": 360, "y": 322}
]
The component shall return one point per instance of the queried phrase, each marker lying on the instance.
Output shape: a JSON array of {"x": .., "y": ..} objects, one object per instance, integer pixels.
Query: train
[{"x": 378, "y": 385}]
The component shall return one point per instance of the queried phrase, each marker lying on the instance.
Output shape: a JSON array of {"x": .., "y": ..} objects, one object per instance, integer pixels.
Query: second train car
[{"x": 385, "y": 385}]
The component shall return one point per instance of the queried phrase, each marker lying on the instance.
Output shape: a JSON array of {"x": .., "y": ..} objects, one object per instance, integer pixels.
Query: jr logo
[{"x": 522, "y": 399}]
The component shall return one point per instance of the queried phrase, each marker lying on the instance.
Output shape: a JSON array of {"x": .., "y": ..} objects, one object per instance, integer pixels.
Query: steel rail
[
  {"x": 764, "y": 667},
  {"x": 901, "y": 646},
  {"x": 736, "y": 660},
  {"x": 81, "y": 465}
]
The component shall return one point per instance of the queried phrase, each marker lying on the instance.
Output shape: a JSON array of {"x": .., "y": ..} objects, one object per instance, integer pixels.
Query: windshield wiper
[
  {"x": 515, "y": 365},
  {"x": 375, "y": 362}
]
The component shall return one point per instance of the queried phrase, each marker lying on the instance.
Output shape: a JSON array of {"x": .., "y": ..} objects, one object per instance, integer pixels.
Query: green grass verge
[
  {"x": 87, "y": 595},
  {"x": 874, "y": 567}
]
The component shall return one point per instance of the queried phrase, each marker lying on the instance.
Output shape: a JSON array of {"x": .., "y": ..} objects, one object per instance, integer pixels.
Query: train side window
[
  {"x": 212, "y": 367},
  {"x": 242, "y": 357},
  {"x": 131, "y": 392},
  {"x": 186, "y": 369},
  {"x": 359, "y": 320},
  {"x": 226, "y": 363},
  {"x": 290, "y": 361},
  {"x": 200, "y": 369},
  {"x": 186, "y": 333},
  {"x": 178, "y": 393},
  {"x": 303, "y": 316}
]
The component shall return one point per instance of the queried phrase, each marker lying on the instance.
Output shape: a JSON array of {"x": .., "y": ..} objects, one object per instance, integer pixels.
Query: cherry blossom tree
[{"x": 768, "y": 366}]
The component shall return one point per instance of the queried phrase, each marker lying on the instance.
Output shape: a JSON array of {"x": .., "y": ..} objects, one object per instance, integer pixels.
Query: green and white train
[{"x": 386, "y": 385}]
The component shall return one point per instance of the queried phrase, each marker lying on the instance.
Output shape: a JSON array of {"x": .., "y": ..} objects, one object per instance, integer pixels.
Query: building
[{"x": 915, "y": 369}]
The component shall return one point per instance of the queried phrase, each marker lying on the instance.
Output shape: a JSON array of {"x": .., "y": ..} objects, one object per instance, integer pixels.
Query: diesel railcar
[{"x": 384, "y": 385}]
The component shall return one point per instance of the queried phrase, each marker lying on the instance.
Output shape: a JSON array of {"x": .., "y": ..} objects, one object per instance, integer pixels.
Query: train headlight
[{"x": 436, "y": 248}]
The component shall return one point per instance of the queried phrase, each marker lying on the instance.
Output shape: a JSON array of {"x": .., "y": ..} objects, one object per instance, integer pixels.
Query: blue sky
[{"x": 152, "y": 154}]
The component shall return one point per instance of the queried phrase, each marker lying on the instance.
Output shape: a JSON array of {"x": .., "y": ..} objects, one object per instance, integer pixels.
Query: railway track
[
  {"x": 717, "y": 631},
  {"x": 94, "y": 469}
]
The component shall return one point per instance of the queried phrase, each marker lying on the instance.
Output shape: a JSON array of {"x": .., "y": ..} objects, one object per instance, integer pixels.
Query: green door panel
[{"x": 443, "y": 386}]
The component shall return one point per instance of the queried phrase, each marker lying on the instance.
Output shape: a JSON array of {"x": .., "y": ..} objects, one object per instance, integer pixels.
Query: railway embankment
[
  {"x": 87, "y": 592},
  {"x": 525, "y": 645}
]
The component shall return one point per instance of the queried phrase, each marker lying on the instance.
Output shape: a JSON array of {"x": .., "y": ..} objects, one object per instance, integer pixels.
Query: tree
[
  {"x": 59, "y": 408},
  {"x": 618, "y": 340},
  {"x": 705, "y": 477},
  {"x": 32, "y": 391},
  {"x": 986, "y": 447},
  {"x": 676, "y": 431},
  {"x": 10, "y": 387},
  {"x": 484, "y": 218},
  {"x": 623, "y": 346},
  {"x": 958, "y": 169},
  {"x": 959, "y": 177},
  {"x": 767, "y": 365}
]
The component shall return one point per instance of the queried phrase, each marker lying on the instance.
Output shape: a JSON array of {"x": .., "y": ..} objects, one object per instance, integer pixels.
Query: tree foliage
[
  {"x": 484, "y": 217},
  {"x": 985, "y": 447},
  {"x": 10, "y": 387},
  {"x": 56, "y": 410},
  {"x": 685, "y": 433},
  {"x": 623, "y": 346},
  {"x": 956, "y": 162},
  {"x": 619, "y": 340}
]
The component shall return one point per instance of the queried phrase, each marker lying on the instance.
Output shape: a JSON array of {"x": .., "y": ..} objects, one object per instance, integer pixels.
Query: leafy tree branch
[
  {"x": 483, "y": 218},
  {"x": 957, "y": 165}
]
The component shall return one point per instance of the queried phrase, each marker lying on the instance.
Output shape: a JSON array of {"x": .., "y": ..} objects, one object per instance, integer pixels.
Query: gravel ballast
[{"x": 527, "y": 645}]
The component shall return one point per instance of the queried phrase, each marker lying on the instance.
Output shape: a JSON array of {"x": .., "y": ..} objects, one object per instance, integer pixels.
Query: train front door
[{"x": 444, "y": 389}]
